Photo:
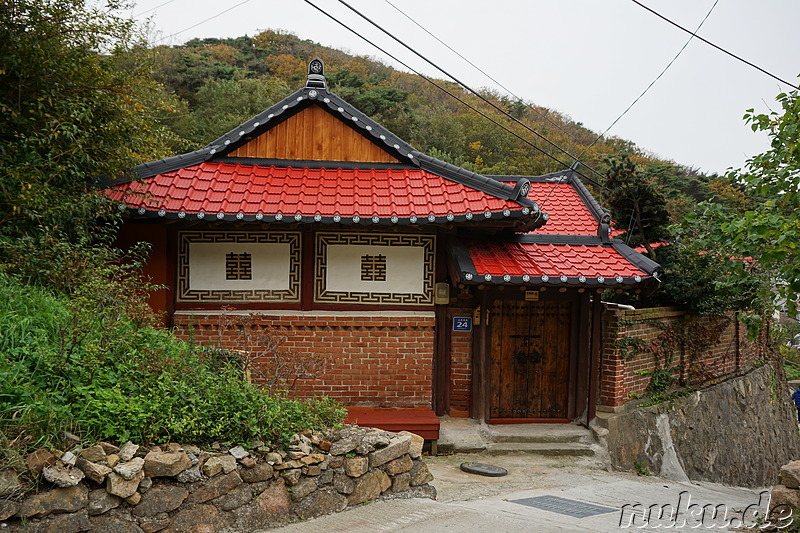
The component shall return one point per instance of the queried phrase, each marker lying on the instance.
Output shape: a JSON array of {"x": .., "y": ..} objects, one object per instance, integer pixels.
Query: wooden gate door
[{"x": 529, "y": 353}]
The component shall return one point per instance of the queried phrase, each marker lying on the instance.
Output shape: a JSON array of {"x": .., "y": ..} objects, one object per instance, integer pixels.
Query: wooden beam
[{"x": 595, "y": 354}]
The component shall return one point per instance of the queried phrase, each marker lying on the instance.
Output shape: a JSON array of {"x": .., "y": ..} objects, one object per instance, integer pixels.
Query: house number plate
[{"x": 462, "y": 323}]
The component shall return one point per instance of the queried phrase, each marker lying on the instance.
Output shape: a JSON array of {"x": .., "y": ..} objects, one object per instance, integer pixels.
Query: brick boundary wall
[
  {"x": 364, "y": 360},
  {"x": 460, "y": 365},
  {"x": 621, "y": 378}
]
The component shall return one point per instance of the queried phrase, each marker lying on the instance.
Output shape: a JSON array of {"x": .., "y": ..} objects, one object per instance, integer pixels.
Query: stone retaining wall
[
  {"x": 182, "y": 489},
  {"x": 738, "y": 433}
]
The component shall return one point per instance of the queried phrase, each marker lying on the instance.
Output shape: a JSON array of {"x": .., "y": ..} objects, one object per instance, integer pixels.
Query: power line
[
  {"x": 692, "y": 36},
  {"x": 476, "y": 67},
  {"x": 152, "y": 9},
  {"x": 715, "y": 46},
  {"x": 203, "y": 21},
  {"x": 429, "y": 80},
  {"x": 468, "y": 88}
]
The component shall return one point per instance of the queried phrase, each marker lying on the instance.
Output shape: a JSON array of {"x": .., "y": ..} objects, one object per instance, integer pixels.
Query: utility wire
[
  {"x": 715, "y": 46},
  {"x": 152, "y": 8},
  {"x": 449, "y": 93},
  {"x": 692, "y": 36},
  {"x": 468, "y": 88},
  {"x": 476, "y": 67},
  {"x": 202, "y": 21}
]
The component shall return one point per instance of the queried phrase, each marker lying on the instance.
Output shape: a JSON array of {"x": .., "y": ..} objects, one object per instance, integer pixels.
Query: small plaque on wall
[{"x": 462, "y": 323}]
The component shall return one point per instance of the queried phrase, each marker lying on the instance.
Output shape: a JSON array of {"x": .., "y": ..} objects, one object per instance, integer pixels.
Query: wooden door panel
[{"x": 529, "y": 359}]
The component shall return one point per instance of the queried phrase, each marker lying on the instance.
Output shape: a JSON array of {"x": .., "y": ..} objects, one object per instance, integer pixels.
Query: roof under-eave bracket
[{"x": 167, "y": 188}]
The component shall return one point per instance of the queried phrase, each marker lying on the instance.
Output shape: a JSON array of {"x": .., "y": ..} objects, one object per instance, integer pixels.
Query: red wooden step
[{"x": 423, "y": 422}]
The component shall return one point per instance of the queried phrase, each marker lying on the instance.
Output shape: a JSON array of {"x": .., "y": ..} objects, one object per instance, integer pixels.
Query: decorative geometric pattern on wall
[
  {"x": 377, "y": 276},
  {"x": 238, "y": 267}
]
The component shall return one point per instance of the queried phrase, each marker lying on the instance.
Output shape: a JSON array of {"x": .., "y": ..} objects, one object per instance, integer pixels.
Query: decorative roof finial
[{"x": 316, "y": 74}]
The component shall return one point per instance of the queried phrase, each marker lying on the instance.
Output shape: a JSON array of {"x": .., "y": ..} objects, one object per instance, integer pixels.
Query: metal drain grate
[{"x": 563, "y": 506}]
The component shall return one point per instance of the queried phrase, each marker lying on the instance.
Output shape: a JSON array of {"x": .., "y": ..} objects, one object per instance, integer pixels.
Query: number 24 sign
[{"x": 462, "y": 323}]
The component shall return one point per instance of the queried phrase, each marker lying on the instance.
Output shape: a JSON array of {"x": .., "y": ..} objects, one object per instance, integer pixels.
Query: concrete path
[{"x": 468, "y": 502}]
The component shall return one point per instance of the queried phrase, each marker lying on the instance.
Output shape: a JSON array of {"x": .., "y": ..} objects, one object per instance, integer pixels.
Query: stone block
[
  {"x": 783, "y": 495},
  {"x": 343, "y": 483},
  {"x": 62, "y": 475},
  {"x": 790, "y": 475},
  {"x": 134, "y": 499},
  {"x": 166, "y": 464},
  {"x": 356, "y": 466},
  {"x": 420, "y": 474},
  {"x": 368, "y": 487},
  {"x": 100, "y": 501},
  {"x": 241, "y": 495},
  {"x": 303, "y": 488},
  {"x": 128, "y": 451},
  {"x": 95, "y": 454},
  {"x": 401, "y": 482},
  {"x": 313, "y": 459},
  {"x": 161, "y": 499},
  {"x": 62, "y": 500},
  {"x": 398, "y": 466},
  {"x": 238, "y": 452},
  {"x": 95, "y": 472},
  {"x": 260, "y": 472},
  {"x": 66, "y": 523},
  {"x": 215, "y": 487},
  {"x": 124, "y": 488},
  {"x": 109, "y": 448},
  {"x": 397, "y": 446},
  {"x": 417, "y": 442},
  {"x": 38, "y": 460},
  {"x": 191, "y": 475},
  {"x": 292, "y": 476},
  {"x": 113, "y": 524},
  {"x": 319, "y": 503},
  {"x": 199, "y": 519},
  {"x": 270, "y": 507},
  {"x": 219, "y": 464},
  {"x": 129, "y": 469}
]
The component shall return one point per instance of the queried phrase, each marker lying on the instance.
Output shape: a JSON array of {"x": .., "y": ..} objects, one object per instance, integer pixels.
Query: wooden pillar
[
  {"x": 479, "y": 362},
  {"x": 595, "y": 354},
  {"x": 441, "y": 363}
]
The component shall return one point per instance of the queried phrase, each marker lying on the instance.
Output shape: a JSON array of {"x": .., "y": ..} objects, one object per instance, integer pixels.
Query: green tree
[
  {"x": 766, "y": 227},
  {"x": 76, "y": 103},
  {"x": 223, "y": 104},
  {"x": 636, "y": 206}
]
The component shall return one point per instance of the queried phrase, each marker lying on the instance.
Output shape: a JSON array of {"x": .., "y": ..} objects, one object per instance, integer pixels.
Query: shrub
[{"x": 86, "y": 364}]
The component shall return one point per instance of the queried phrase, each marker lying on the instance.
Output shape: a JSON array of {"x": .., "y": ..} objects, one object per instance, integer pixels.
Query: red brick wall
[
  {"x": 460, "y": 365},
  {"x": 367, "y": 361},
  {"x": 621, "y": 376}
]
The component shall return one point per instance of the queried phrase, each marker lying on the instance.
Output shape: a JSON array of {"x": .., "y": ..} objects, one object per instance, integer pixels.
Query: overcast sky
[{"x": 588, "y": 59}]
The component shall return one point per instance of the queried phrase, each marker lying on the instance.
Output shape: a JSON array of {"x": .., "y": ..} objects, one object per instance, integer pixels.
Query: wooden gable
[{"x": 313, "y": 134}]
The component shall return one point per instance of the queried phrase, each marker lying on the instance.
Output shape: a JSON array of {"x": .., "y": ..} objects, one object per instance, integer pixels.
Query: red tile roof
[
  {"x": 552, "y": 260},
  {"x": 212, "y": 188},
  {"x": 567, "y": 211}
]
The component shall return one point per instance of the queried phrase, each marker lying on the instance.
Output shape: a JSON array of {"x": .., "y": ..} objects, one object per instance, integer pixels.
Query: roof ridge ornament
[{"x": 316, "y": 74}]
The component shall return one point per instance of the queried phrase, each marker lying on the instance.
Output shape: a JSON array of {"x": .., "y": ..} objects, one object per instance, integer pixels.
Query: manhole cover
[
  {"x": 564, "y": 506},
  {"x": 483, "y": 469}
]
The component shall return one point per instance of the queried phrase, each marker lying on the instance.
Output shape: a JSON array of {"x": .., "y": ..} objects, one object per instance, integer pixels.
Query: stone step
[
  {"x": 538, "y": 433},
  {"x": 571, "y": 449}
]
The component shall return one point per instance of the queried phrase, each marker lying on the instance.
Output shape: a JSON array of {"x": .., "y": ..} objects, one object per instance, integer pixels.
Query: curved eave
[
  {"x": 519, "y": 214},
  {"x": 599, "y": 282}
]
